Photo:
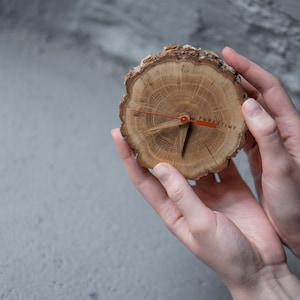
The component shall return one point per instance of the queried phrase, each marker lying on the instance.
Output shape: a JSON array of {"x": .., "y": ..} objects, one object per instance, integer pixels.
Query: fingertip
[
  {"x": 228, "y": 53},
  {"x": 116, "y": 136},
  {"x": 228, "y": 50},
  {"x": 266, "y": 133},
  {"x": 115, "y": 132},
  {"x": 123, "y": 148},
  {"x": 174, "y": 183},
  {"x": 252, "y": 109},
  {"x": 162, "y": 172},
  {"x": 259, "y": 122}
]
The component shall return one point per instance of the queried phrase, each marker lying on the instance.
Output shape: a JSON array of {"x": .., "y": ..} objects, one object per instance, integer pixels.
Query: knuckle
[
  {"x": 175, "y": 191},
  {"x": 268, "y": 128},
  {"x": 276, "y": 80},
  {"x": 198, "y": 230},
  {"x": 271, "y": 129},
  {"x": 202, "y": 228},
  {"x": 275, "y": 83}
]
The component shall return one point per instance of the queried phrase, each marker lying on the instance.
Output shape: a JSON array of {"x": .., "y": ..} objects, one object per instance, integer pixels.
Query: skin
[
  {"x": 223, "y": 224},
  {"x": 273, "y": 148}
]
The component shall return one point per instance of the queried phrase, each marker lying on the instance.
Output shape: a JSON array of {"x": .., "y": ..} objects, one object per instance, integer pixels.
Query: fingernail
[
  {"x": 252, "y": 108},
  {"x": 227, "y": 48},
  {"x": 162, "y": 172}
]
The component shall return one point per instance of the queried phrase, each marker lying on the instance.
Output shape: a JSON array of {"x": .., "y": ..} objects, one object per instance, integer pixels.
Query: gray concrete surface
[{"x": 71, "y": 224}]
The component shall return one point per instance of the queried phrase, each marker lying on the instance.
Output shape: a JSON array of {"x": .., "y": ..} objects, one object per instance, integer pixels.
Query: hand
[
  {"x": 222, "y": 224},
  {"x": 274, "y": 152}
]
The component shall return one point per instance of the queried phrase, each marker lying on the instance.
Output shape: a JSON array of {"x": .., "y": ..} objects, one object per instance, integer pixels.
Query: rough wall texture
[
  {"x": 71, "y": 224},
  {"x": 266, "y": 31}
]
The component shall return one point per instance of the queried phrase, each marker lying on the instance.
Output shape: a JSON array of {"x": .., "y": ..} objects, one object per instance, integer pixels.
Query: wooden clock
[{"x": 183, "y": 106}]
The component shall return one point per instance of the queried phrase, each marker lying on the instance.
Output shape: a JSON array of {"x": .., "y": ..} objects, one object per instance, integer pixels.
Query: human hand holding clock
[{"x": 223, "y": 224}]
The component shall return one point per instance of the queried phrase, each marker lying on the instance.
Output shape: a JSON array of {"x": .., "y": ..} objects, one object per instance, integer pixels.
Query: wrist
[{"x": 272, "y": 282}]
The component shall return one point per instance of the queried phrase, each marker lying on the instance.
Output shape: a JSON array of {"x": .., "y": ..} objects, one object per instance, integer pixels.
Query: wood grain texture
[{"x": 183, "y": 81}]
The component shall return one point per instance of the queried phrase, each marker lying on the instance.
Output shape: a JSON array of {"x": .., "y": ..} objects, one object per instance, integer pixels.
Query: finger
[
  {"x": 252, "y": 92},
  {"x": 128, "y": 158},
  {"x": 196, "y": 214},
  {"x": 143, "y": 180},
  {"x": 250, "y": 142},
  {"x": 254, "y": 158},
  {"x": 275, "y": 97},
  {"x": 264, "y": 130},
  {"x": 253, "y": 73},
  {"x": 152, "y": 190},
  {"x": 209, "y": 234},
  {"x": 250, "y": 89}
]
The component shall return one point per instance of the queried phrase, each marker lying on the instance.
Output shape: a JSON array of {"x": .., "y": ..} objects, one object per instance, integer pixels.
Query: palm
[
  {"x": 222, "y": 224},
  {"x": 234, "y": 200}
]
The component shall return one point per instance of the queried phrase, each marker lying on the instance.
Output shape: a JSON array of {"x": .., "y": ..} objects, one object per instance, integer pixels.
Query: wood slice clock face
[{"x": 183, "y": 106}]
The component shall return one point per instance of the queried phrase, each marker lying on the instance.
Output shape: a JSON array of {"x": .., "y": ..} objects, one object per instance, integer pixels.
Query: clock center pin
[{"x": 184, "y": 119}]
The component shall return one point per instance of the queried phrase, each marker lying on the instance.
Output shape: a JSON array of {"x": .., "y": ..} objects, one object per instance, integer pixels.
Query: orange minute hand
[{"x": 183, "y": 119}]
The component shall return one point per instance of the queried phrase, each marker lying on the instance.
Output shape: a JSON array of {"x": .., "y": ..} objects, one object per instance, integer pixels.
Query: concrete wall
[
  {"x": 71, "y": 224},
  {"x": 266, "y": 31}
]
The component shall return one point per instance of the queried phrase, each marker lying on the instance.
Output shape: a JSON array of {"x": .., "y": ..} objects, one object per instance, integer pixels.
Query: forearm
[{"x": 271, "y": 283}]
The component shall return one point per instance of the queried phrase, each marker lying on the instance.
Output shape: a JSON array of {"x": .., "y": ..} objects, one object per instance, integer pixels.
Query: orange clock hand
[
  {"x": 184, "y": 119},
  {"x": 156, "y": 114},
  {"x": 204, "y": 123}
]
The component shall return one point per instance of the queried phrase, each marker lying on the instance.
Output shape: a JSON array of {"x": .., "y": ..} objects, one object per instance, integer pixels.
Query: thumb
[
  {"x": 264, "y": 129},
  {"x": 199, "y": 218}
]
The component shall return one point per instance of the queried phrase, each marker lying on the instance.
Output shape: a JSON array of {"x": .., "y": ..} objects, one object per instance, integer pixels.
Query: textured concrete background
[{"x": 71, "y": 224}]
